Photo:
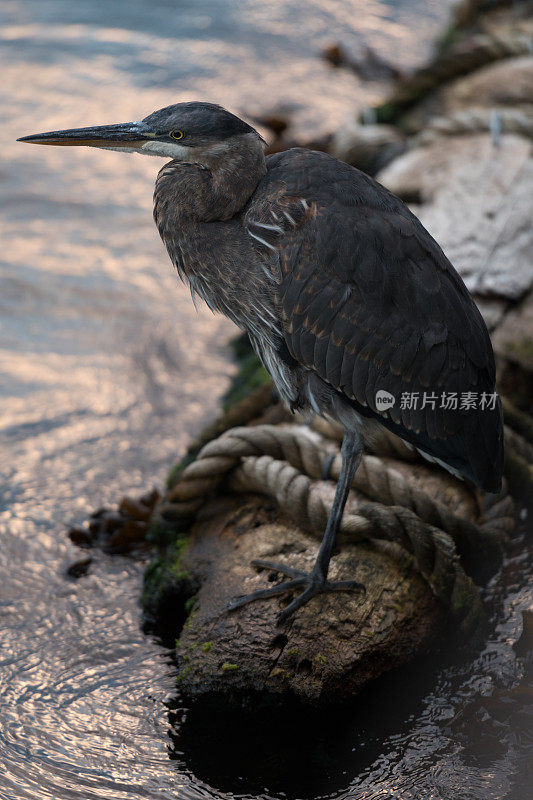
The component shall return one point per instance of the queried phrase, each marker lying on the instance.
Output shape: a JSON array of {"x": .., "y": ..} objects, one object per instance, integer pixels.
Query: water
[{"x": 107, "y": 371}]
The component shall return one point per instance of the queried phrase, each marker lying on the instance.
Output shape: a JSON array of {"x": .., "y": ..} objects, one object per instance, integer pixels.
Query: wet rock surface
[{"x": 334, "y": 645}]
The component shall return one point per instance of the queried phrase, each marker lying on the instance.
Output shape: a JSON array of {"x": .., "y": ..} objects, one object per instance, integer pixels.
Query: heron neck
[{"x": 216, "y": 187}]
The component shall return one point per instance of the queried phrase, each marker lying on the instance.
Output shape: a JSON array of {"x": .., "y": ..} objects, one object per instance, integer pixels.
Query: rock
[
  {"x": 514, "y": 337},
  {"x": 492, "y": 310},
  {"x": 476, "y": 200},
  {"x": 80, "y": 536},
  {"x": 136, "y": 509},
  {"x": 477, "y": 120},
  {"x": 504, "y": 83},
  {"x": 334, "y": 645},
  {"x": 524, "y": 644},
  {"x": 121, "y": 530},
  {"x": 335, "y": 54},
  {"x": 368, "y": 147},
  {"x": 131, "y": 534},
  {"x": 79, "y": 568},
  {"x": 275, "y": 122},
  {"x": 505, "y": 86}
]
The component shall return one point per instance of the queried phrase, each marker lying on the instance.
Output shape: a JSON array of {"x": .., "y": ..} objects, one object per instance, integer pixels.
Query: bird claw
[
  {"x": 311, "y": 583},
  {"x": 274, "y": 566}
]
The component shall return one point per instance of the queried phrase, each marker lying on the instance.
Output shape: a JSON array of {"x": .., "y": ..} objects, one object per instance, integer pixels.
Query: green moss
[
  {"x": 162, "y": 534},
  {"x": 227, "y": 667},
  {"x": 183, "y": 673},
  {"x": 206, "y": 647},
  {"x": 292, "y": 653},
  {"x": 168, "y": 563},
  {"x": 177, "y": 469},
  {"x": 168, "y": 587},
  {"x": 280, "y": 674},
  {"x": 321, "y": 660},
  {"x": 467, "y": 613},
  {"x": 189, "y": 604},
  {"x": 386, "y": 113},
  {"x": 449, "y": 37},
  {"x": 190, "y": 619},
  {"x": 464, "y": 597}
]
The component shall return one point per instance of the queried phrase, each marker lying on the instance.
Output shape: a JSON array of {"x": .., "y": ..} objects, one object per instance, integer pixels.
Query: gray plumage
[{"x": 341, "y": 289}]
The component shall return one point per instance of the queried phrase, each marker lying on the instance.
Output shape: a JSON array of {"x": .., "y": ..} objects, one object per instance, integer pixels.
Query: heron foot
[{"x": 312, "y": 584}]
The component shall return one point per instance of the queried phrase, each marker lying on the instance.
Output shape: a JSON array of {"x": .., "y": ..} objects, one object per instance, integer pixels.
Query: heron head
[{"x": 194, "y": 131}]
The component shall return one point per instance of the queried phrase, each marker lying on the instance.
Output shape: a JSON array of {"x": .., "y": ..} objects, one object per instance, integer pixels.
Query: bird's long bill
[{"x": 122, "y": 135}]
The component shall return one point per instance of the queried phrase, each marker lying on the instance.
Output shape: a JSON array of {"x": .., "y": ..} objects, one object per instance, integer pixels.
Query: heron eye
[{"x": 176, "y": 134}]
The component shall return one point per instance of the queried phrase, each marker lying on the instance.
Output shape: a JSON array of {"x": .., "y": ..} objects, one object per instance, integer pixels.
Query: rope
[
  {"x": 284, "y": 461},
  {"x": 432, "y": 549}
]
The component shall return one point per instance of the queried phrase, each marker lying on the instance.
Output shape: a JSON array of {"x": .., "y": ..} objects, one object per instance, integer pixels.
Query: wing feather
[{"x": 369, "y": 301}]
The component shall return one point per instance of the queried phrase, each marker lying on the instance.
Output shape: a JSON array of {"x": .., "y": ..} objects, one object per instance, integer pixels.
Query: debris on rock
[
  {"x": 121, "y": 530},
  {"x": 79, "y": 568}
]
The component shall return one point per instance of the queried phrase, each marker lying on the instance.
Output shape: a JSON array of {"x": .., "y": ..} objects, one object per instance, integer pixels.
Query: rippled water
[{"x": 106, "y": 372}]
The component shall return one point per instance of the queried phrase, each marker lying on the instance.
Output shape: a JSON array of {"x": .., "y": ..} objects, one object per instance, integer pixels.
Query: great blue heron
[{"x": 348, "y": 301}]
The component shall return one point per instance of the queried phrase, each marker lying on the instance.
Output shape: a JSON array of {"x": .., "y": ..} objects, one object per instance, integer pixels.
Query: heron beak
[{"x": 129, "y": 135}]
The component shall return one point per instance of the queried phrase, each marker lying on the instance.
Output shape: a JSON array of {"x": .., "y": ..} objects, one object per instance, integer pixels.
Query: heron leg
[
  {"x": 316, "y": 581},
  {"x": 351, "y": 451}
]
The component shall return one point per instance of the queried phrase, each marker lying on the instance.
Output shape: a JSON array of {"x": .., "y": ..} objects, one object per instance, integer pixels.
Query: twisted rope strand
[
  {"x": 296, "y": 446},
  {"x": 432, "y": 549},
  {"x": 284, "y": 462}
]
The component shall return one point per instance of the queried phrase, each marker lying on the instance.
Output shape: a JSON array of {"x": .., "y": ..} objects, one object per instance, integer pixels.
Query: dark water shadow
[{"x": 293, "y": 751}]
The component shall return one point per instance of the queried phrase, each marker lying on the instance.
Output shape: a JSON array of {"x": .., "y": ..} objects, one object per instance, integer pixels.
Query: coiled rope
[{"x": 285, "y": 462}]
